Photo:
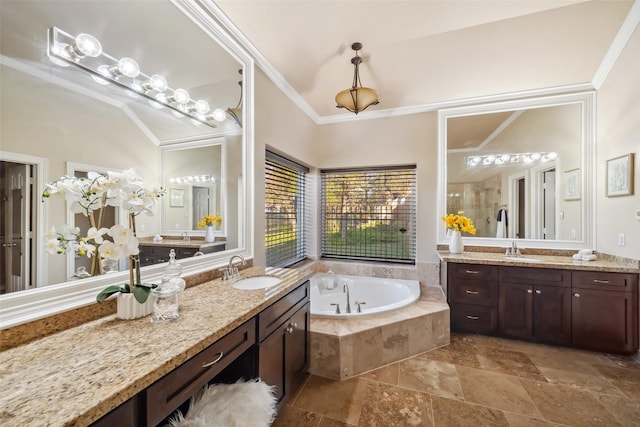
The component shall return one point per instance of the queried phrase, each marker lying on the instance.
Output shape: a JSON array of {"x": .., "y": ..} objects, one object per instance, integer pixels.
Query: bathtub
[{"x": 377, "y": 295}]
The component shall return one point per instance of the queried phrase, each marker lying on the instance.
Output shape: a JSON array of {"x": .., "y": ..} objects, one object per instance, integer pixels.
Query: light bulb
[
  {"x": 553, "y": 155},
  {"x": 128, "y": 67},
  {"x": 157, "y": 83},
  {"x": 535, "y": 156},
  {"x": 87, "y": 45},
  {"x": 505, "y": 157},
  {"x": 181, "y": 96},
  {"x": 202, "y": 106},
  {"x": 219, "y": 115}
]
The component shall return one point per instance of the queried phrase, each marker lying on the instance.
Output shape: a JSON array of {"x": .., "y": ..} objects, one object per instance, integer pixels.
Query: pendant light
[
  {"x": 236, "y": 113},
  {"x": 356, "y": 98}
]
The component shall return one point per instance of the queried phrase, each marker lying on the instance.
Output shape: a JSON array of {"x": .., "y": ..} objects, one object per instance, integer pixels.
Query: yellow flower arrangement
[
  {"x": 209, "y": 220},
  {"x": 459, "y": 222}
]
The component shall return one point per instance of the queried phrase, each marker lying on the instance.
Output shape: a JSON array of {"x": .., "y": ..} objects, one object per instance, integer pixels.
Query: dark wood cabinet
[
  {"x": 155, "y": 254},
  {"x": 586, "y": 309},
  {"x": 605, "y": 312},
  {"x": 535, "y": 304},
  {"x": 125, "y": 415},
  {"x": 284, "y": 345},
  {"x": 473, "y": 297}
]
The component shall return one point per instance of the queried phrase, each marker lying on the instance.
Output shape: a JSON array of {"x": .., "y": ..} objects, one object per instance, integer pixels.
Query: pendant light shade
[{"x": 356, "y": 98}]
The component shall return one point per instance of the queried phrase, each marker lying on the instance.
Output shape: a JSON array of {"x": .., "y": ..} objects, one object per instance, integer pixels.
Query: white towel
[{"x": 501, "y": 231}]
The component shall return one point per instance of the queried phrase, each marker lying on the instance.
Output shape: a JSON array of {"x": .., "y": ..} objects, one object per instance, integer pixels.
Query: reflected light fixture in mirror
[
  {"x": 357, "y": 98},
  {"x": 519, "y": 128},
  {"x": 85, "y": 52},
  {"x": 236, "y": 112}
]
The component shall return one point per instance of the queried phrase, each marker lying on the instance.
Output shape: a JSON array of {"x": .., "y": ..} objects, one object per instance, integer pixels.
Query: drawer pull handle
[
  {"x": 472, "y": 292},
  {"x": 577, "y": 295},
  {"x": 472, "y": 317},
  {"x": 291, "y": 327},
  {"x": 600, "y": 281},
  {"x": 213, "y": 362},
  {"x": 538, "y": 291},
  {"x": 472, "y": 272},
  {"x": 529, "y": 291}
]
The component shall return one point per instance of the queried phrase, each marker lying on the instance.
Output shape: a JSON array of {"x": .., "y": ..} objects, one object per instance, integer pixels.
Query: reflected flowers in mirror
[{"x": 90, "y": 196}]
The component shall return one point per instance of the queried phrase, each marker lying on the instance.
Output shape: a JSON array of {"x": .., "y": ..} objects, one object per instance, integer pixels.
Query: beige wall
[
  {"x": 618, "y": 133},
  {"x": 412, "y": 139}
]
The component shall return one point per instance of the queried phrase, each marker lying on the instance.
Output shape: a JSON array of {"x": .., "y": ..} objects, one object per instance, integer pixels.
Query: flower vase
[
  {"x": 129, "y": 308},
  {"x": 209, "y": 236},
  {"x": 455, "y": 245}
]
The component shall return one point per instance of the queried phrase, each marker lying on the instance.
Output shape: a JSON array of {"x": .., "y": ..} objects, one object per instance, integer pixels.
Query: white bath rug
[{"x": 243, "y": 404}]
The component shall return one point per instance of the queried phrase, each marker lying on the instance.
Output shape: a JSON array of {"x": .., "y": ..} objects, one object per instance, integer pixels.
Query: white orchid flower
[
  {"x": 109, "y": 250},
  {"x": 96, "y": 235},
  {"x": 53, "y": 247}
]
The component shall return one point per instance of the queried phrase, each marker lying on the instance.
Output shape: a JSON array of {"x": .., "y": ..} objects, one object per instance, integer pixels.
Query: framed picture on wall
[
  {"x": 572, "y": 184},
  {"x": 620, "y": 176},
  {"x": 176, "y": 198}
]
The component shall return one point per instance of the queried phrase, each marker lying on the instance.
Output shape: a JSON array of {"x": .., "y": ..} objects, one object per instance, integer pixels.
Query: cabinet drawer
[
  {"x": 166, "y": 394},
  {"x": 273, "y": 316},
  {"x": 535, "y": 276},
  {"x": 627, "y": 282},
  {"x": 474, "y": 318},
  {"x": 473, "y": 271},
  {"x": 480, "y": 292}
]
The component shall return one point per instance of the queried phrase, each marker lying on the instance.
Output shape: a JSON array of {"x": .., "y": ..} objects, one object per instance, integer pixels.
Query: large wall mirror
[
  {"x": 521, "y": 170},
  {"x": 98, "y": 111}
]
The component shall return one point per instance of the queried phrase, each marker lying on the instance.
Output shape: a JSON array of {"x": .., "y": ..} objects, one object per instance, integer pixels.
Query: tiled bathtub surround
[{"x": 342, "y": 348}]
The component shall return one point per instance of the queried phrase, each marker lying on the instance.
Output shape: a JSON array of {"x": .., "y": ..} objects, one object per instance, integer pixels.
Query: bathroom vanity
[
  {"x": 550, "y": 299},
  {"x": 152, "y": 252},
  {"x": 135, "y": 373}
]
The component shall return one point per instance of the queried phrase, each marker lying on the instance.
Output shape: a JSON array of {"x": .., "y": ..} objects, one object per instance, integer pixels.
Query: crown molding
[{"x": 627, "y": 28}]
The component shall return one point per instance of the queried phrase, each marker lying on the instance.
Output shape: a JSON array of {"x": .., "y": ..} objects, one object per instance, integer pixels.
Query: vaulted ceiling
[{"x": 419, "y": 54}]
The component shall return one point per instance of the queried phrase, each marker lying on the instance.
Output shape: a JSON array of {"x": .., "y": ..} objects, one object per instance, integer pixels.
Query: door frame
[
  {"x": 40, "y": 172},
  {"x": 513, "y": 206},
  {"x": 537, "y": 196}
]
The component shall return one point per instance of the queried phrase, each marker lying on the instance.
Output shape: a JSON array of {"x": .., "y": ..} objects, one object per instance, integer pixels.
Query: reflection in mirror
[
  {"x": 60, "y": 117},
  {"x": 193, "y": 173},
  {"x": 516, "y": 169}
]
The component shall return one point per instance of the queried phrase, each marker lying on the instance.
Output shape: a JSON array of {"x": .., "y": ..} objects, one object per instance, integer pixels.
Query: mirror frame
[
  {"x": 204, "y": 142},
  {"x": 33, "y": 304},
  {"x": 587, "y": 173}
]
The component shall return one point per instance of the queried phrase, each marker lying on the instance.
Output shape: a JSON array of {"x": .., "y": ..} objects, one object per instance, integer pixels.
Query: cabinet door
[
  {"x": 604, "y": 320},
  {"x": 284, "y": 355},
  {"x": 297, "y": 348},
  {"x": 552, "y": 314},
  {"x": 515, "y": 303}
]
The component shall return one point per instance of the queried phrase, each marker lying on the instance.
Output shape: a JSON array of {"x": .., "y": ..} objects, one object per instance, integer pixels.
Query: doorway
[
  {"x": 17, "y": 216},
  {"x": 200, "y": 204},
  {"x": 549, "y": 204}
]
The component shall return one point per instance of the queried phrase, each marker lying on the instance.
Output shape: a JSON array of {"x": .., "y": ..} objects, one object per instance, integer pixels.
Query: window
[
  {"x": 369, "y": 214},
  {"x": 284, "y": 210}
]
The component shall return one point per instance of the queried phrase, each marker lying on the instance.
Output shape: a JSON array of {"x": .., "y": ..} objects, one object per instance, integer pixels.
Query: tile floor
[{"x": 478, "y": 381}]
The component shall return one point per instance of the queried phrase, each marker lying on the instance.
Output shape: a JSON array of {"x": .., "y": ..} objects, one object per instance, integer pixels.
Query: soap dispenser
[{"x": 330, "y": 280}]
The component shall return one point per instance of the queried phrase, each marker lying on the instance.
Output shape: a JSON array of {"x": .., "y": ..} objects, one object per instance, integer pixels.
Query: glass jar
[{"x": 165, "y": 302}]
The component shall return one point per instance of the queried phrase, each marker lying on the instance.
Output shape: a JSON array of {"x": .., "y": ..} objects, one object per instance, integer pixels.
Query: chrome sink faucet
[
  {"x": 513, "y": 250},
  {"x": 345, "y": 288},
  {"x": 232, "y": 269},
  {"x": 185, "y": 237}
]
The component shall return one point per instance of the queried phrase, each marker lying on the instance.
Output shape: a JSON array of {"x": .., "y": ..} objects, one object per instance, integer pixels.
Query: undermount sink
[
  {"x": 522, "y": 259},
  {"x": 258, "y": 282}
]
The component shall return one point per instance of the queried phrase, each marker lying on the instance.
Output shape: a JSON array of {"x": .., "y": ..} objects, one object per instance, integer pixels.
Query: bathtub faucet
[{"x": 345, "y": 288}]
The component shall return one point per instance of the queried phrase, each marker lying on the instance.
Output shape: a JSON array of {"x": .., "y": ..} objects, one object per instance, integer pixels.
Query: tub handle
[
  {"x": 359, "y": 303},
  {"x": 337, "y": 307}
]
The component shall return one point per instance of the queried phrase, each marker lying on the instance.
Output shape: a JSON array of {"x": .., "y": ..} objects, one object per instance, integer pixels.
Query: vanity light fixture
[
  {"x": 84, "y": 52},
  {"x": 357, "y": 98},
  {"x": 192, "y": 179},
  {"x": 510, "y": 158}
]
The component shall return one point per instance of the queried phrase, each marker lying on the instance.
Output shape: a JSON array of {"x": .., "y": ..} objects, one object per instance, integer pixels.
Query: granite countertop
[
  {"x": 78, "y": 375},
  {"x": 545, "y": 261},
  {"x": 179, "y": 243}
]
